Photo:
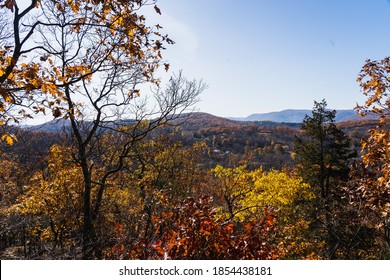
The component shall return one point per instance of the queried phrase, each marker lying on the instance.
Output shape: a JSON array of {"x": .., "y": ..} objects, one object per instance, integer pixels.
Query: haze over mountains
[
  {"x": 287, "y": 117},
  {"x": 296, "y": 116}
]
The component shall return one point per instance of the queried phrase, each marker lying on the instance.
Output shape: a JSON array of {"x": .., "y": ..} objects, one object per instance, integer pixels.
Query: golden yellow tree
[
  {"x": 84, "y": 61},
  {"x": 246, "y": 195},
  {"x": 52, "y": 202},
  {"x": 373, "y": 179}
]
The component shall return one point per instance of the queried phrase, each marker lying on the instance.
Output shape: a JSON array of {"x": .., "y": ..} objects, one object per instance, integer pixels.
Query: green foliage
[
  {"x": 323, "y": 156},
  {"x": 323, "y": 151}
]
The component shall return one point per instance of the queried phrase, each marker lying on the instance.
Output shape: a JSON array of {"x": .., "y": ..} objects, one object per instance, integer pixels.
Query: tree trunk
[{"x": 87, "y": 222}]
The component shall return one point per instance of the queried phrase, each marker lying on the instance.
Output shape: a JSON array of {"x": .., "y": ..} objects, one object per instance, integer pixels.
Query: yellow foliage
[
  {"x": 9, "y": 138},
  {"x": 55, "y": 194},
  {"x": 279, "y": 189},
  {"x": 249, "y": 192},
  {"x": 256, "y": 189}
]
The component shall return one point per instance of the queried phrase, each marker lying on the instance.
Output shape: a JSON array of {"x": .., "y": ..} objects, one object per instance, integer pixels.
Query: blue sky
[{"x": 269, "y": 55}]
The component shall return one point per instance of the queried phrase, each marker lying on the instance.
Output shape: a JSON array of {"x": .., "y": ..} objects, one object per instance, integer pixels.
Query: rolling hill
[{"x": 296, "y": 116}]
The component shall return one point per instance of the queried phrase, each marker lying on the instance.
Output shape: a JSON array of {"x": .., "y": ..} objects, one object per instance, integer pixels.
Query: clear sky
[{"x": 268, "y": 55}]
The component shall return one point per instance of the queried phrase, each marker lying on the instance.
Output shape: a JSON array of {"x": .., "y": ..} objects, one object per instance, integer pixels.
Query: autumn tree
[
  {"x": 370, "y": 187},
  {"x": 9, "y": 191},
  {"x": 323, "y": 156},
  {"x": 30, "y": 70},
  {"x": 232, "y": 186},
  {"x": 52, "y": 205},
  {"x": 165, "y": 173},
  {"x": 243, "y": 195},
  {"x": 18, "y": 165},
  {"x": 193, "y": 231},
  {"x": 84, "y": 61}
]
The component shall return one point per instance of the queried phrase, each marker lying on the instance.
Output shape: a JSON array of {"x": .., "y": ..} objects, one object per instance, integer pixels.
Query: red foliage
[{"x": 192, "y": 231}]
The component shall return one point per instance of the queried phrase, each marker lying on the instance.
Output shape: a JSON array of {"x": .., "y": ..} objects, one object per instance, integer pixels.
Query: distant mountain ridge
[
  {"x": 190, "y": 121},
  {"x": 296, "y": 116},
  {"x": 198, "y": 120}
]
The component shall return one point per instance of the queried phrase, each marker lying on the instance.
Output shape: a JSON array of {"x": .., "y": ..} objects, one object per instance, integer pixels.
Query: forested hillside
[
  {"x": 115, "y": 175},
  {"x": 266, "y": 144},
  {"x": 234, "y": 166}
]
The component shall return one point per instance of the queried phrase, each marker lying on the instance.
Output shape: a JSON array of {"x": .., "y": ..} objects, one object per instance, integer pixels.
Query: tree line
[{"x": 107, "y": 188}]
